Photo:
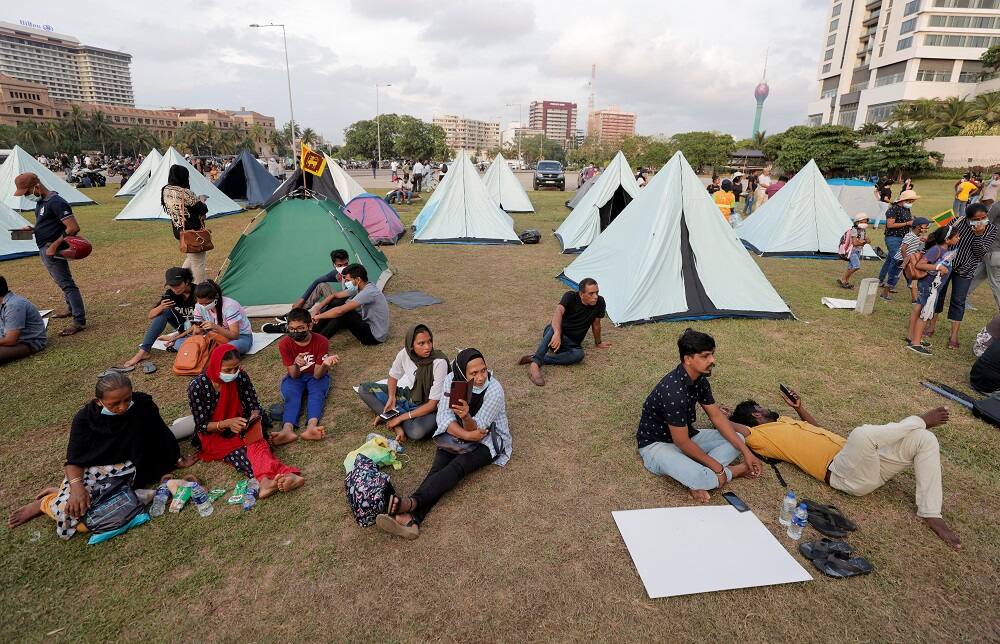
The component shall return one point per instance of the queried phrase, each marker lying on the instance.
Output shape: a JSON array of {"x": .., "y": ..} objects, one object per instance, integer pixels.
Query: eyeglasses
[{"x": 298, "y": 329}]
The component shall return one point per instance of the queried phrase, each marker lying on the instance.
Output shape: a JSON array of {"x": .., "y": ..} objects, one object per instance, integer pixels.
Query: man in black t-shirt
[{"x": 576, "y": 312}]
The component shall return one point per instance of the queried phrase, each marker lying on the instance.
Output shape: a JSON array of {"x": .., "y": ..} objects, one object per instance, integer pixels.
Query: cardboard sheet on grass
[
  {"x": 661, "y": 542},
  {"x": 260, "y": 342}
]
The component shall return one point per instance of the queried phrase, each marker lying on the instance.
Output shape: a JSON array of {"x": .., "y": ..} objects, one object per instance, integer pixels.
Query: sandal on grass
[
  {"x": 823, "y": 548},
  {"x": 845, "y": 285},
  {"x": 397, "y": 505},
  {"x": 828, "y": 519},
  {"x": 389, "y": 525},
  {"x": 841, "y": 565}
]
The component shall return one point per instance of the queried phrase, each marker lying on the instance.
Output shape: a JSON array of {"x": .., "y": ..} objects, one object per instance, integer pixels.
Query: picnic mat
[
  {"x": 412, "y": 299},
  {"x": 260, "y": 342}
]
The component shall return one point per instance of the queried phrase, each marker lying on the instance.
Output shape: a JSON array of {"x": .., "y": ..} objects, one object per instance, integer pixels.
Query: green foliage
[
  {"x": 402, "y": 136},
  {"x": 590, "y": 151},
  {"x": 537, "y": 147},
  {"x": 834, "y": 147},
  {"x": 898, "y": 151},
  {"x": 704, "y": 149},
  {"x": 647, "y": 151},
  {"x": 991, "y": 59}
]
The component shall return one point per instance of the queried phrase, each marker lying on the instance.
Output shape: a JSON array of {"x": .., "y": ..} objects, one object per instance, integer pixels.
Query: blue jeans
[
  {"x": 58, "y": 269},
  {"x": 569, "y": 352},
  {"x": 892, "y": 245},
  {"x": 959, "y": 293},
  {"x": 666, "y": 459},
  {"x": 895, "y": 270},
  {"x": 376, "y": 395},
  {"x": 158, "y": 325},
  {"x": 959, "y": 207},
  {"x": 314, "y": 389},
  {"x": 242, "y": 344}
]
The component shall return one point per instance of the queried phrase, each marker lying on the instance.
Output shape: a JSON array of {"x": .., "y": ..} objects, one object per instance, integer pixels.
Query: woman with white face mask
[
  {"x": 898, "y": 220},
  {"x": 859, "y": 237},
  {"x": 227, "y": 424},
  {"x": 471, "y": 434}
]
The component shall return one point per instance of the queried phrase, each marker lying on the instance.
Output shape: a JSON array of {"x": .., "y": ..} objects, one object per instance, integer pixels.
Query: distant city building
[
  {"x": 516, "y": 130},
  {"x": 557, "y": 119},
  {"x": 610, "y": 126},
  {"x": 69, "y": 70},
  {"x": 875, "y": 56},
  {"x": 578, "y": 138},
  {"x": 471, "y": 135}
]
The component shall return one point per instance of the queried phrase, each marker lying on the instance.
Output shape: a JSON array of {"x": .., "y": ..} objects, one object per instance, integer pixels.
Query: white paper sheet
[
  {"x": 688, "y": 550},
  {"x": 260, "y": 342},
  {"x": 835, "y": 303},
  {"x": 45, "y": 312}
]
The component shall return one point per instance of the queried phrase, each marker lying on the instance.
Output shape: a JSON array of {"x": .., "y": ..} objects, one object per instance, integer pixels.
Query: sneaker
[
  {"x": 885, "y": 298},
  {"x": 283, "y": 319},
  {"x": 915, "y": 348},
  {"x": 273, "y": 327}
]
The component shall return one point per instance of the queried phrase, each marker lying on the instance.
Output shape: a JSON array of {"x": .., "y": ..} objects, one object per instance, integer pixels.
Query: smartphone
[
  {"x": 735, "y": 501},
  {"x": 788, "y": 392},
  {"x": 389, "y": 415},
  {"x": 459, "y": 391}
]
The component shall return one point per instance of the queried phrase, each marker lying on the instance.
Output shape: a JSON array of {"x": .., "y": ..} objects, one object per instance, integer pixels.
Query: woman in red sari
[{"x": 223, "y": 402}]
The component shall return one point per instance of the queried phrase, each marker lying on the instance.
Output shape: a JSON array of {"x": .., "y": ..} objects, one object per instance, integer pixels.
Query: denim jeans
[
  {"x": 158, "y": 325},
  {"x": 892, "y": 245},
  {"x": 666, "y": 459},
  {"x": 959, "y": 207},
  {"x": 569, "y": 352},
  {"x": 959, "y": 293},
  {"x": 314, "y": 389},
  {"x": 895, "y": 270},
  {"x": 375, "y": 395},
  {"x": 58, "y": 269},
  {"x": 242, "y": 344}
]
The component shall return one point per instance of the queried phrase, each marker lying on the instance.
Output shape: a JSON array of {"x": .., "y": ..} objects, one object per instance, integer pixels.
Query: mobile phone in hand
[
  {"x": 390, "y": 414},
  {"x": 788, "y": 393}
]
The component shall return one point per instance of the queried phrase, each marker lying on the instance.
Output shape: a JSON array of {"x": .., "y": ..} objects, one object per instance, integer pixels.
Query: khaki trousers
[
  {"x": 876, "y": 453},
  {"x": 322, "y": 290},
  {"x": 196, "y": 262}
]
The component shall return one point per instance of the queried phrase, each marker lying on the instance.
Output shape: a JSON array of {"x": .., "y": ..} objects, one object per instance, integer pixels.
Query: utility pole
[{"x": 378, "y": 122}]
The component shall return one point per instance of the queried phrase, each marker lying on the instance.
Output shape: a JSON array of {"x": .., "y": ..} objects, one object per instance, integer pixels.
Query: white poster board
[{"x": 688, "y": 550}]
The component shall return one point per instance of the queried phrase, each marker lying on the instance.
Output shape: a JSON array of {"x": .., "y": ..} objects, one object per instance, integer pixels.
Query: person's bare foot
[
  {"x": 187, "y": 461},
  {"x": 535, "y": 375},
  {"x": 134, "y": 360},
  {"x": 739, "y": 470},
  {"x": 316, "y": 433},
  {"x": 701, "y": 496},
  {"x": 284, "y": 437},
  {"x": 267, "y": 488},
  {"x": 943, "y": 531},
  {"x": 288, "y": 482},
  {"x": 72, "y": 329},
  {"x": 28, "y": 512}
]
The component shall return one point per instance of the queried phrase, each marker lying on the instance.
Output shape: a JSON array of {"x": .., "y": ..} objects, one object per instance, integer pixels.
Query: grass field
[{"x": 525, "y": 552}]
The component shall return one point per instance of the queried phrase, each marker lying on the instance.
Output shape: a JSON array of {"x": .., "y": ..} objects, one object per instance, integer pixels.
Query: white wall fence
[{"x": 965, "y": 151}]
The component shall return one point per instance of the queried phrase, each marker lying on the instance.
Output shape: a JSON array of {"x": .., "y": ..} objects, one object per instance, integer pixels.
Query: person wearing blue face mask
[
  {"x": 365, "y": 313},
  {"x": 470, "y": 435},
  {"x": 898, "y": 220},
  {"x": 117, "y": 430}
]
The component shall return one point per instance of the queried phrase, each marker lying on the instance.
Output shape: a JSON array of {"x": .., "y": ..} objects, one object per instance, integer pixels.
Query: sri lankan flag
[
  {"x": 312, "y": 162},
  {"x": 944, "y": 218}
]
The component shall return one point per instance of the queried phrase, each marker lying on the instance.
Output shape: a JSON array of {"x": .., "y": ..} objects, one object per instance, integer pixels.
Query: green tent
[{"x": 289, "y": 247}]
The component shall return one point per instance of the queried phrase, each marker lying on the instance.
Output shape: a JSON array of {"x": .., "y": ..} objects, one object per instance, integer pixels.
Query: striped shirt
[
  {"x": 972, "y": 248},
  {"x": 493, "y": 412},
  {"x": 911, "y": 244}
]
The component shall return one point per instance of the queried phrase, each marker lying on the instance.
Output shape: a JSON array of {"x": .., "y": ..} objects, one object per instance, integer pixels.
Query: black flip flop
[
  {"x": 833, "y": 513},
  {"x": 148, "y": 368},
  {"x": 823, "y": 548},
  {"x": 840, "y": 565}
]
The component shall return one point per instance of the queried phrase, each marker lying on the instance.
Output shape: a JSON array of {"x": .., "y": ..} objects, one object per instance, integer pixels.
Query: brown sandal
[{"x": 71, "y": 330}]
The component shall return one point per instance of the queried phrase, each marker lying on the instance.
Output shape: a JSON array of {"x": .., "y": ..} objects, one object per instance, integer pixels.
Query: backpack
[
  {"x": 368, "y": 490},
  {"x": 845, "y": 247},
  {"x": 192, "y": 357},
  {"x": 530, "y": 236},
  {"x": 910, "y": 267}
]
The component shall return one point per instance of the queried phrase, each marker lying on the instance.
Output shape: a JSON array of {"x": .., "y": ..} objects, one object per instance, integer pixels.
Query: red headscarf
[{"x": 229, "y": 405}]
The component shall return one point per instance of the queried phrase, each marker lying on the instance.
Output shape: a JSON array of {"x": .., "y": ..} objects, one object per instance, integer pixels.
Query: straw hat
[
  {"x": 907, "y": 195},
  {"x": 861, "y": 217}
]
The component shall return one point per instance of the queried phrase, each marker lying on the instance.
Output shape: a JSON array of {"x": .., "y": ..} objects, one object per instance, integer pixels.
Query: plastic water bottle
[
  {"x": 787, "y": 508},
  {"x": 250, "y": 496},
  {"x": 160, "y": 501},
  {"x": 799, "y": 520},
  {"x": 200, "y": 497}
]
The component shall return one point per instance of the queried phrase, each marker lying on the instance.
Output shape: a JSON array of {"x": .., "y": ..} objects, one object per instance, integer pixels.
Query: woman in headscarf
[
  {"x": 187, "y": 212},
  {"x": 118, "y": 433},
  {"x": 416, "y": 384},
  {"x": 225, "y": 408},
  {"x": 470, "y": 434}
]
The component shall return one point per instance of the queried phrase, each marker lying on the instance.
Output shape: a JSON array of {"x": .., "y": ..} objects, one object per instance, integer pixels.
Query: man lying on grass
[
  {"x": 668, "y": 442},
  {"x": 859, "y": 464}
]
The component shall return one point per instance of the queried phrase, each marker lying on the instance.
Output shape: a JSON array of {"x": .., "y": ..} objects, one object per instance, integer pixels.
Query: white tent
[
  {"x": 141, "y": 174},
  {"x": 9, "y": 249},
  {"x": 20, "y": 161},
  {"x": 670, "y": 256},
  {"x": 504, "y": 188},
  {"x": 461, "y": 212},
  {"x": 345, "y": 183},
  {"x": 802, "y": 219},
  {"x": 859, "y": 196},
  {"x": 146, "y": 203},
  {"x": 600, "y": 205}
]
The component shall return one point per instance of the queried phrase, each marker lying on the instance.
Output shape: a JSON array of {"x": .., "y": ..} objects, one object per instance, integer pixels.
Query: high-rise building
[
  {"x": 475, "y": 137},
  {"x": 556, "y": 118},
  {"x": 70, "y": 70},
  {"x": 879, "y": 53},
  {"x": 610, "y": 126},
  {"x": 517, "y": 130}
]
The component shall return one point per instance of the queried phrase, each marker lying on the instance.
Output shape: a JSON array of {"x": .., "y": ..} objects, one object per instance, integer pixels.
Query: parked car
[{"x": 549, "y": 173}]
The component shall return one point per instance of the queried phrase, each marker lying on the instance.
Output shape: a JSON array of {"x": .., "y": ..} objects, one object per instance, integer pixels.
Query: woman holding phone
[
  {"x": 227, "y": 424},
  {"x": 472, "y": 432}
]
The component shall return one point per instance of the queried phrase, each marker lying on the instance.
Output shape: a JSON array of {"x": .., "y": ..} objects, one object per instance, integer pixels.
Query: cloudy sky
[{"x": 680, "y": 65}]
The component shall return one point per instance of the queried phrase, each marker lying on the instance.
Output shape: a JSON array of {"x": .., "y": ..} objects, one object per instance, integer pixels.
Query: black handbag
[
  {"x": 113, "y": 504},
  {"x": 456, "y": 445}
]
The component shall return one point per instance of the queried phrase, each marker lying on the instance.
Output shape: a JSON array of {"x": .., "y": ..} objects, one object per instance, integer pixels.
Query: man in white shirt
[
  {"x": 394, "y": 166},
  {"x": 418, "y": 175}
]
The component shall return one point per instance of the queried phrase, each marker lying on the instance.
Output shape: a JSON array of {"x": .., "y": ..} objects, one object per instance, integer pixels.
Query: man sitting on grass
[
  {"x": 863, "y": 462},
  {"x": 22, "y": 331},
  {"x": 327, "y": 287},
  {"x": 668, "y": 442},
  {"x": 576, "y": 312},
  {"x": 365, "y": 314}
]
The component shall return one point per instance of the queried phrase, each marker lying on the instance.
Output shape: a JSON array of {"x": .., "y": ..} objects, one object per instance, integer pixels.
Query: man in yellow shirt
[
  {"x": 863, "y": 462},
  {"x": 964, "y": 190},
  {"x": 724, "y": 198}
]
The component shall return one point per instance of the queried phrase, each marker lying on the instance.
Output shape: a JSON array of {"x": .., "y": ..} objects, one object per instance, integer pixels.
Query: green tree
[
  {"x": 590, "y": 151},
  {"x": 537, "y": 147},
  {"x": 309, "y": 136},
  {"x": 402, "y": 136},
  {"x": 77, "y": 122},
  {"x": 100, "y": 128},
  {"x": 29, "y": 136},
  {"x": 834, "y": 147},
  {"x": 991, "y": 61},
  {"x": 704, "y": 149},
  {"x": 986, "y": 107},
  {"x": 898, "y": 151}
]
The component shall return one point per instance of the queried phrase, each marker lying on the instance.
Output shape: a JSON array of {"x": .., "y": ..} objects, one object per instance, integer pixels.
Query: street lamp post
[
  {"x": 520, "y": 124},
  {"x": 288, "y": 74},
  {"x": 378, "y": 122}
]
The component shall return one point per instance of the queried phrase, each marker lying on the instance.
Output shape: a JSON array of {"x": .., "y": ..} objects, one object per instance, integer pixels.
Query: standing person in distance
[
  {"x": 374, "y": 165},
  {"x": 418, "y": 175},
  {"x": 897, "y": 223},
  {"x": 935, "y": 260},
  {"x": 859, "y": 237},
  {"x": 54, "y": 221},
  {"x": 187, "y": 211},
  {"x": 964, "y": 189}
]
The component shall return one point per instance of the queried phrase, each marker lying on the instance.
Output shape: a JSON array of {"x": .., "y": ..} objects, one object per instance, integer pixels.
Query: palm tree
[
  {"x": 29, "y": 135},
  {"x": 759, "y": 138},
  {"x": 986, "y": 107},
  {"x": 100, "y": 125},
  {"x": 257, "y": 135},
  {"x": 309, "y": 136},
  {"x": 211, "y": 135},
  {"x": 76, "y": 120},
  {"x": 949, "y": 116},
  {"x": 53, "y": 133}
]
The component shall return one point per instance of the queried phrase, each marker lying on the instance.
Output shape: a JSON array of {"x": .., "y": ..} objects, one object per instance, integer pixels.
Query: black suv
[{"x": 550, "y": 173}]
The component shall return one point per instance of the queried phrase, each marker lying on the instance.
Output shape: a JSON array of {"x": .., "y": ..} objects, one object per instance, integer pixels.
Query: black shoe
[
  {"x": 273, "y": 327},
  {"x": 282, "y": 319}
]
